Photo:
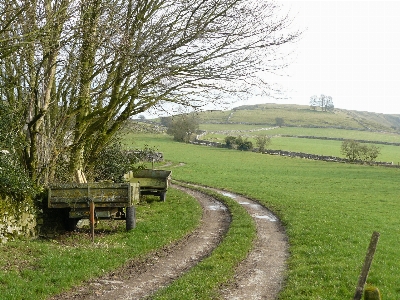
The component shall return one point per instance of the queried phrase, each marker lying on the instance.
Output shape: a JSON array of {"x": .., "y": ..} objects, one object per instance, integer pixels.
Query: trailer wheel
[
  {"x": 163, "y": 196},
  {"x": 71, "y": 224},
  {"x": 130, "y": 218},
  {"x": 68, "y": 223}
]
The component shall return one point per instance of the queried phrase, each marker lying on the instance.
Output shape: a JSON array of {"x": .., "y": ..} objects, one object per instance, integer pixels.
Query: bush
[
  {"x": 354, "y": 150},
  {"x": 238, "y": 143},
  {"x": 183, "y": 127},
  {"x": 262, "y": 142},
  {"x": 230, "y": 141},
  {"x": 14, "y": 180},
  {"x": 113, "y": 162}
]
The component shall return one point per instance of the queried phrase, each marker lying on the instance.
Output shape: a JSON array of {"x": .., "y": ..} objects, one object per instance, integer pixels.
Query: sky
[{"x": 350, "y": 50}]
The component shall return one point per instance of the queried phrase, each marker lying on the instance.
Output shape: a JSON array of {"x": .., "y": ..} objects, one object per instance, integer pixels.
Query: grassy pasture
[
  {"x": 237, "y": 129},
  {"x": 336, "y": 133},
  {"x": 300, "y": 115},
  {"x": 295, "y": 116},
  {"x": 228, "y": 127},
  {"x": 388, "y": 153},
  {"x": 329, "y": 211}
]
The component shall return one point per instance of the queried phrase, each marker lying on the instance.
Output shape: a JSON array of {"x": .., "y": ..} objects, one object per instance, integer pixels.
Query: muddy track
[{"x": 260, "y": 276}]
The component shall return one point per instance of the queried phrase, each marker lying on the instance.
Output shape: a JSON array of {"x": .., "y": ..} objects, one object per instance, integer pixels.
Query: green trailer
[
  {"x": 107, "y": 200},
  {"x": 152, "y": 182}
]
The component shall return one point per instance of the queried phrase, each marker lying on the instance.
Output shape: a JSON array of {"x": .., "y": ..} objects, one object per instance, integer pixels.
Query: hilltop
[{"x": 302, "y": 116}]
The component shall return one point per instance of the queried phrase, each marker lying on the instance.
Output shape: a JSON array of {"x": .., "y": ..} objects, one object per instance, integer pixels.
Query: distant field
[
  {"x": 230, "y": 127},
  {"x": 317, "y": 146},
  {"x": 294, "y": 117},
  {"x": 241, "y": 129},
  {"x": 328, "y": 147},
  {"x": 329, "y": 211}
]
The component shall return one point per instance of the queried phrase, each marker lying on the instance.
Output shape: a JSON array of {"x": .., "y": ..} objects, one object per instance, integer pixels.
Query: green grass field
[
  {"x": 329, "y": 211},
  {"x": 388, "y": 153}
]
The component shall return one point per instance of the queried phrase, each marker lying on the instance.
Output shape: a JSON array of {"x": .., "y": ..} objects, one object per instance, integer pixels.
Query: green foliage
[
  {"x": 14, "y": 180},
  {"x": 354, "y": 150},
  {"x": 230, "y": 141},
  {"x": 183, "y": 127},
  {"x": 166, "y": 121},
  {"x": 262, "y": 141},
  {"x": 238, "y": 143},
  {"x": 114, "y": 161}
]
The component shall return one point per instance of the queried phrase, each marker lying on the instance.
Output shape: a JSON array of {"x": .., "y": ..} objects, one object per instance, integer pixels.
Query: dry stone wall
[
  {"x": 303, "y": 155},
  {"x": 17, "y": 219}
]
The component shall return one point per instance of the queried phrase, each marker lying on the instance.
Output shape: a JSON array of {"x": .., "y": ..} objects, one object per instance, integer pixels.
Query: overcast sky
[{"x": 350, "y": 50}]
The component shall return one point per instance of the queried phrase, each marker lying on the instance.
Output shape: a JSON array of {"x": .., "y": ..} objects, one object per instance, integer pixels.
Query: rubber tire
[
  {"x": 71, "y": 224},
  {"x": 130, "y": 218},
  {"x": 163, "y": 196}
]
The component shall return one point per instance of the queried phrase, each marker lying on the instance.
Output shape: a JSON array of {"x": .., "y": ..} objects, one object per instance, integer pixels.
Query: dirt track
[{"x": 260, "y": 276}]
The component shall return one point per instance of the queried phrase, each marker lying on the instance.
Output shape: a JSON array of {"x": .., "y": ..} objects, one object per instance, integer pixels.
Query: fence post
[{"x": 367, "y": 264}]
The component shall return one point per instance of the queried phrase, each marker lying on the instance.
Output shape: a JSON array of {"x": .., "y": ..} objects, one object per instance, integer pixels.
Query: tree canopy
[{"x": 75, "y": 71}]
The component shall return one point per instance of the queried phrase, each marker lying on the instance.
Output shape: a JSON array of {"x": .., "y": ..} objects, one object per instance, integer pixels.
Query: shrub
[
  {"x": 238, "y": 143},
  {"x": 14, "y": 180},
  {"x": 230, "y": 141},
  {"x": 113, "y": 162},
  {"x": 262, "y": 141},
  {"x": 183, "y": 127},
  {"x": 354, "y": 150}
]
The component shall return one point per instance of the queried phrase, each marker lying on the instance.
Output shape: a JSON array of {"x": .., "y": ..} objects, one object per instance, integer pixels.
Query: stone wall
[
  {"x": 304, "y": 155},
  {"x": 17, "y": 219}
]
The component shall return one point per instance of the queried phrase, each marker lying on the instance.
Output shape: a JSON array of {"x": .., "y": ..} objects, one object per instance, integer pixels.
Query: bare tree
[
  {"x": 323, "y": 101},
  {"x": 314, "y": 102},
  {"x": 96, "y": 63}
]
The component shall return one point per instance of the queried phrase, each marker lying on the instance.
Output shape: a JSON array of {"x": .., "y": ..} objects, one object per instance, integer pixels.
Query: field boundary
[{"x": 304, "y": 155}]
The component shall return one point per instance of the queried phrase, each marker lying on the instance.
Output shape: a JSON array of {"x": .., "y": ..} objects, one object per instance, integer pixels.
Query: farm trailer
[
  {"x": 102, "y": 200},
  {"x": 152, "y": 182}
]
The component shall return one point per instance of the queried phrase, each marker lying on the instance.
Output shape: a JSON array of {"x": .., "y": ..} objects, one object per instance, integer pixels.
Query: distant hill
[{"x": 302, "y": 116}]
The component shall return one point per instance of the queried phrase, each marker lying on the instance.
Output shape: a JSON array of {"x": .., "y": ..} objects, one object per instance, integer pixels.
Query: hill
[{"x": 302, "y": 116}]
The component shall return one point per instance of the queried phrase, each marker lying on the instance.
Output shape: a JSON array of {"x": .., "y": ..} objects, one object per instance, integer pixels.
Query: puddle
[
  {"x": 216, "y": 207},
  {"x": 253, "y": 205},
  {"x": 228, "y": 195},
  {"x": 244, "y": 203},
  {"x": 266, "y": 217}
]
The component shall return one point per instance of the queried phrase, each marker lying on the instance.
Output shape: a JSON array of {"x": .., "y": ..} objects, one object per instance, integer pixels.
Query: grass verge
[{"x": 204, "y": 280}]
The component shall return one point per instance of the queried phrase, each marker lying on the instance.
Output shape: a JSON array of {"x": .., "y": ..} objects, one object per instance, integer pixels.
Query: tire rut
[
  {"x": 142, "y": 278},
  {"x": 259, "y": 276}
]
